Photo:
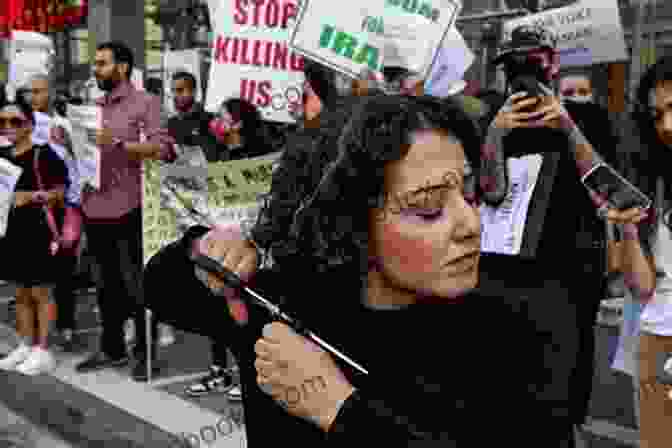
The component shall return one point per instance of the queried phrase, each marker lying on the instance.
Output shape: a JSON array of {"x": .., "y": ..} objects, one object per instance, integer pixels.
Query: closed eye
[{"x": 429, "y": 214}]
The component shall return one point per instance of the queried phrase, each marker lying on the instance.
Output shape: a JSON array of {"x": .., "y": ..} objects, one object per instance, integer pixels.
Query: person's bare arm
[{"x": 637, "y": 265}]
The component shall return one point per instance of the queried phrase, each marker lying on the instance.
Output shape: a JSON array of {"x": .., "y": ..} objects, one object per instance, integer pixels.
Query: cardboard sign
[
  {"x": 180, "y": 61},
  {"x": 251, "y": 58},
  {"x": 359, "y": 36},
  {"x": 233, "y": 189},
  {"x": 454, "y": 59},
  {"x": 9, "y": 176},
  {"x": 41, "y": 128},
  {"x": 588, "y": 32},
  {"x": 29, "y": 54},
  {"x": 84, "y": 121},
  {"x": 502, "y": 227},
  {"x": 137, "y": 79}
]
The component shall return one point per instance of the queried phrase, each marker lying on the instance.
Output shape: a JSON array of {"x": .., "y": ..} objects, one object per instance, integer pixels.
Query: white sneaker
[
  {"x": 235, "y": 394},
  {"x": 39, "y": 361},
  {"x": 15, "y": 357},
  {"x": 166, "y": 335}
]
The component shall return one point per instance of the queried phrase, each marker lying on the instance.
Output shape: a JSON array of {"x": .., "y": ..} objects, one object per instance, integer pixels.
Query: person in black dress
[
  {"x": 30, "y": 244},
  {"x": 381, "y": 271}
]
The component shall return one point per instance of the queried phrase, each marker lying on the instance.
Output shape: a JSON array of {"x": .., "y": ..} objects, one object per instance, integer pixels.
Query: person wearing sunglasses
[{"x": 32, "y": 237}]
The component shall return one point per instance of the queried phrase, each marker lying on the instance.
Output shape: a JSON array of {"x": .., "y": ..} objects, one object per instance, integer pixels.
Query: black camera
[{"x": 524, "y": 75}]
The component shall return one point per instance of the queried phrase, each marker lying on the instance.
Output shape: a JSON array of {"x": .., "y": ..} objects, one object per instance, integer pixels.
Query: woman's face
[
  {"x": 425, "y": 240},
  {"x": 14, "y": 125},
  {"x": 661, "y": 104},
  {"x": 232, "y": 134}
]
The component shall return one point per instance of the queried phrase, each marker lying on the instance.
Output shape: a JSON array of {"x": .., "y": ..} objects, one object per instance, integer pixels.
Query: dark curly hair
[
  {"x": 22, "y": 101},
  {"x": 659, "y": 158},
  {"x": 247, "y": 114},
  {"x": 316, "y": 217}
]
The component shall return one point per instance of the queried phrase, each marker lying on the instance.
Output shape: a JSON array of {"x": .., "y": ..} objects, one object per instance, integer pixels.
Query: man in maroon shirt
[{"x": 129, "y": 134}]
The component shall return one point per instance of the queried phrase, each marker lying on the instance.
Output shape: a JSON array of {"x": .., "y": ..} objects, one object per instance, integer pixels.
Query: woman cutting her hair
[
  {"x": 375, "y": 242},
  {"x": 381, "y": 260}
]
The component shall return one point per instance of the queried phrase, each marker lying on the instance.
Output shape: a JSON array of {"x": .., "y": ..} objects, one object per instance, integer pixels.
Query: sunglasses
[{"x": 14, "y": 122}]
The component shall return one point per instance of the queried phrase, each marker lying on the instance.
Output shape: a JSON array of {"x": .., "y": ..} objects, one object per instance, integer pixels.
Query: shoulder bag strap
[{"x": 51, "y": 221}]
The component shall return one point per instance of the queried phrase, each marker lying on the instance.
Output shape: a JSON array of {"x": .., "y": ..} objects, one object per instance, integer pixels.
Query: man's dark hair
[
  {"x": 395, "y": 74},
  {"x": 317, "y": 214},
  {"x": 186, "y": 76},
  {"x": 22, "y": 101},
  {"x": 121, "y": 54}
]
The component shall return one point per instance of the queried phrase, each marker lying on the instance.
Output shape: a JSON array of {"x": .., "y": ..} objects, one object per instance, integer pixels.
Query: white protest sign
[
  {"x": 251, "y": 58},
  {"x": 84, "y": 121},
  {"x": 502, "y": 227},
  {"x": 180, "y": 61},
  {"x": 588, "y": 32},
  {"x": 369, "y": 35},
  {"x": 29, "y": 54},
  {"x": 137, "y": 79},
  {"x": 454, "y": 59},
  {"x": 9, "y": 176},
  {"x": 41, "y": 128}
]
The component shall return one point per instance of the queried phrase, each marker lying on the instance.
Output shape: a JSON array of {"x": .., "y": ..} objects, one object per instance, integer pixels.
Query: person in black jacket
[
  {"x": 561, "y": 222},
  {"x": 380, "y": 260}
]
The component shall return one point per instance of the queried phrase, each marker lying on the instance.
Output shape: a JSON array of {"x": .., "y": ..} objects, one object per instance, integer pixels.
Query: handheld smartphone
[
  {"x": 664, "y": 371},
  {"x": 529, "y": 85},
  {"x": 618, "y": 192}
]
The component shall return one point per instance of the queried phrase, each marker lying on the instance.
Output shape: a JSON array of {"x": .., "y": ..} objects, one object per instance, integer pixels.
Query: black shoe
[
  {"x": 218, "y": 381},
  {"x": 139, "y": 372},
  {"x": 100, "y": 361}
]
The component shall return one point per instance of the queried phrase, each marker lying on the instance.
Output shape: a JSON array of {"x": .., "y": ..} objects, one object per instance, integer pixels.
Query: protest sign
[
  {"x": 29, "y": 54},
  {"x": 372, "y": 34},
  {"x": 9, "y": 176},
  {"x": 502, "y": 227},
  {"x": 233, "y": 190},
  {"x": 41, "y": 128},
  {"x": 588, "y": 32},
  {"x": 180, "y": 61},
  {"x": 251, "y": 58},
  {"x": 84, "y": 121},
  {"x": 137, "y": 79},
  {"x": 454, "y": 59}
]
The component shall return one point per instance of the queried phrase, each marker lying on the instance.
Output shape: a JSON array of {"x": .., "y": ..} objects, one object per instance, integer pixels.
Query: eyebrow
[{"x": 434, "y": 185}]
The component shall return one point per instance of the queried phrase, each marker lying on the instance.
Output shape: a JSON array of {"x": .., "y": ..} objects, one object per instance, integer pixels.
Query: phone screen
[{"x": 618, "y": 192}]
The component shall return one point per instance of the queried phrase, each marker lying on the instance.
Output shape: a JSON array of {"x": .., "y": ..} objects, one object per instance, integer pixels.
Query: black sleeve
[{"x": 513, "y": 404}]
